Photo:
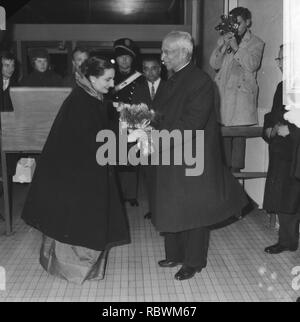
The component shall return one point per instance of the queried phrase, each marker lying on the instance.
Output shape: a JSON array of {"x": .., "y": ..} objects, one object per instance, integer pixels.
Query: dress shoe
[
  {"x": 148, "y": 215},
  {"x": 185, "y": 273},
  {"x": 167, "y": 263},
  {"x": 277, "y": 249}
]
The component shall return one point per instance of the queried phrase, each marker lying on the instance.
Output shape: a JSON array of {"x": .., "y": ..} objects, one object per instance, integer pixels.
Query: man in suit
[
  {"x": 282, "y": 189},
  {"x": 146, "y": 91},
  {"x": 184, "y": 206},
  {"x": 151, "y": 84},
  {"x": 8, "y": 80}
]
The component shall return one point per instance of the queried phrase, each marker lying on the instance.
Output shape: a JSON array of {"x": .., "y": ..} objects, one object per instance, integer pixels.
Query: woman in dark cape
[{"x": 73, "y": 200}]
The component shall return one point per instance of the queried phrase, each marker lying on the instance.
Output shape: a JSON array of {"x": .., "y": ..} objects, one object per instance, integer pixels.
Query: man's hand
[
  {"x": 283, "y": 130},
  {"x": 272, "y": 131},
  {"x": 137, "y": 134},
  {"x": 227, "y": 41},
  {"x": 233, "y": 44},
  {"x": 224, "y": 42}
]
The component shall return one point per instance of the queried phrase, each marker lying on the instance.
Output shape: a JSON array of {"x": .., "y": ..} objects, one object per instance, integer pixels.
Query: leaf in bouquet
[{"x": 136, "y": 114}]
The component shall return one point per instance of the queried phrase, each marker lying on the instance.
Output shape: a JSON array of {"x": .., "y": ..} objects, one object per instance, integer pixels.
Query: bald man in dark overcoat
[{"x": 185, "y": 206}]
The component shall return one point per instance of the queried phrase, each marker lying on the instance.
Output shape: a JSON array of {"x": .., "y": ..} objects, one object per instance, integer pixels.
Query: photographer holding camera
[{"x": 236, "y": 60}]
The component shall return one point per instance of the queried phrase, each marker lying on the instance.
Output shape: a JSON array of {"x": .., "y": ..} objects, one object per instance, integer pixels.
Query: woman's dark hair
[
  {"x": 241, "y": 11},
  {"x": 95, "y": 66}
]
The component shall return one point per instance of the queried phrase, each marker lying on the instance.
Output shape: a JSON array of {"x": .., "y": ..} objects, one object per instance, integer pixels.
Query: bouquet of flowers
[{"x": 137, "y": 118}]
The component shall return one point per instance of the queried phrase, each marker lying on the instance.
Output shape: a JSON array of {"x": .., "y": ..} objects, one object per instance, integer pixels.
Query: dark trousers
[
  {"x": 188, "y": 247},
  {"x": 289, "y": 230},
  {"x": 128, "y": 178},
  {"x": 235, "y": 150},
  {"x": 146, "y": 179}
]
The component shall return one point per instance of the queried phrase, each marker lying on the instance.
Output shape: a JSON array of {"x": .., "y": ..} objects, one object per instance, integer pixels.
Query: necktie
[{"x": 152, "y": 93}]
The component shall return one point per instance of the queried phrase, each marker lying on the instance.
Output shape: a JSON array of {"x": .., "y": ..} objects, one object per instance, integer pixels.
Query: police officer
[
  {"x": 125, "y": 55},
  {"x": 125, "y": 82}
]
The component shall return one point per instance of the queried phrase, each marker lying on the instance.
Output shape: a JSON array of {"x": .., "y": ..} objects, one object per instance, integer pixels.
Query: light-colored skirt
[{"x": 74, "y": 263}]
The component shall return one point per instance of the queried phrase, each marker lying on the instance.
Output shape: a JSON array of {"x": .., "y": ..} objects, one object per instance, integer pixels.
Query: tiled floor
[{"x": 237, "y": 270}]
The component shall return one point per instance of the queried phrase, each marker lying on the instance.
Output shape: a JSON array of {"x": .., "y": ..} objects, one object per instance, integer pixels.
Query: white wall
[{"x": 213, "y": 9}]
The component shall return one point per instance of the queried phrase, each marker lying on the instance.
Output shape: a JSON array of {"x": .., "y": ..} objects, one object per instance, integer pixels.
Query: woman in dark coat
[
  {"x": 282, "y": 190},
  {"x": 73, "y": 200}
]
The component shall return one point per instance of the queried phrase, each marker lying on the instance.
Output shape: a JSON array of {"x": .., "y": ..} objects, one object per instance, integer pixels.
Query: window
[{"x": 101, "y": 12}]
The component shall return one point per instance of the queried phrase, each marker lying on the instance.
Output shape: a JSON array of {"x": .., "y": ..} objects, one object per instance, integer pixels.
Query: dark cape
[
  {"x": 282, "y": 189},
  {"x": 71, "y": 198},
  {"x": 180, "y": 202},
  {"x": 46, "y": 79}
]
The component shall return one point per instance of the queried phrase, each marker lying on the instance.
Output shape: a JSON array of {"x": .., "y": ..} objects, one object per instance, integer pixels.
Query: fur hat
[
  {"x": 124, "y": 46},
  {"x": 38, "y": 53}
]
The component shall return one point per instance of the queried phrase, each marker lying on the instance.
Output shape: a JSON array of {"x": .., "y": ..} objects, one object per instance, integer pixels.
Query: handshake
[{"x": 279, "y": 129}]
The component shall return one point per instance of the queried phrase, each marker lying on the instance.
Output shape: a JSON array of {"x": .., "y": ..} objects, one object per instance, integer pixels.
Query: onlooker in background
[
  {"x": 149, "y": 86},
  {"x": 8, "y": 79},
  {"x": 146, "y": 91},
  {"x": 126, "y": 75},
  {"x": 282, "y": 190},
  {"x": 236, "y": 60},
  {"x": 79, "y": 55},
  {"x": 125, "y": 54},
  {"x": 42, "y": 75},
  {"x": 125, "y": 84}
]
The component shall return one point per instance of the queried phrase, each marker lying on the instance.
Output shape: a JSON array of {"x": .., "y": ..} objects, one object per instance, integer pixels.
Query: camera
[{"x": 228, "y": 24}]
